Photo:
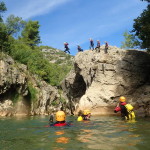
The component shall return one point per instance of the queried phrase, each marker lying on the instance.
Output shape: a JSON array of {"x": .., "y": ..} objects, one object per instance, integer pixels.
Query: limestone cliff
[
  {"x": 99, "y": 79},
  {"x": 22, "y": 93}
]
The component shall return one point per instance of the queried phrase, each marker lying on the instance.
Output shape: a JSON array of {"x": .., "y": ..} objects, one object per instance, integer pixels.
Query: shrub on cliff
[{"x": 38, "y": 64}]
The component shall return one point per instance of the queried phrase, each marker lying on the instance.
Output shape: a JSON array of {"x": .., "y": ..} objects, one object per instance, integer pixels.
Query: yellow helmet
[
  {"x": 80, "y": 118},
  {"x": 60, "y": 116},
  {"x": 86, "y": 112},
  {"x": 122, "y": 99}
]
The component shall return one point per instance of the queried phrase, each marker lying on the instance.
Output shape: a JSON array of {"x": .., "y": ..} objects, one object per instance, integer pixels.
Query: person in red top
[
  {"x": 66, "y": 47},
  {"x": 126, "y": 109}
]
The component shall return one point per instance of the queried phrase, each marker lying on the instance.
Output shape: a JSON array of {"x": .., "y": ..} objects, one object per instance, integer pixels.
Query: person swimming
[{"x": 84, "y": 115}]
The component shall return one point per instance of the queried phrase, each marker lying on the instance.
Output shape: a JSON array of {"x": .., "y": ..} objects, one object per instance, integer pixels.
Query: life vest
[
  {"x": 129, "y": 107},
  {"x": 131, "y": 114}
]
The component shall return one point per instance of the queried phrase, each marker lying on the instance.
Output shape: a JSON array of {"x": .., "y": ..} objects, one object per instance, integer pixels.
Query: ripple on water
[{"x": 101, "y": 133}]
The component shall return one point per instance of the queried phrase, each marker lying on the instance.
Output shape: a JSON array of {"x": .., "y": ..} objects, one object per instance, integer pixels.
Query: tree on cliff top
[
  {"x": 2, "y": 10},
  {"x": 140, "y": 35},
  {"x": 14, "y": 25},
  {"x": 141, "y": 28},
  {"x": 146, "y": 0},
  {"x": 30, "y": 34},
  {"x": 8, "y": 29},
  {"x": 130, "y": 41}
]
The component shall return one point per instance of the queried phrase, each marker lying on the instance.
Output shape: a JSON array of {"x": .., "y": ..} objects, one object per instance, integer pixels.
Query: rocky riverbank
[{"x": 24, "y": 94}]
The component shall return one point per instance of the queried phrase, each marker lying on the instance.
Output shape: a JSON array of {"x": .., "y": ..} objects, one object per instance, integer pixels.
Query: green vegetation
[
  {"x": 32, "y": 92},
  {"x": 140, "y": 35},
  {"x": 2, "y": 10},
  {"x": 130, "y": 41},
  {"x": 30, "y": 34},
  {"x": 20, "y": 40}
]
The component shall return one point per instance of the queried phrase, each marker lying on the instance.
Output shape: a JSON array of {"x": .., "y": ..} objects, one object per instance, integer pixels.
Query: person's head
[
  {"x": 86, "y": 112},
  {"x": 80, "y": 113},
  {"x": 60, "y": 116},
  {"x": 122, "y": 99}
]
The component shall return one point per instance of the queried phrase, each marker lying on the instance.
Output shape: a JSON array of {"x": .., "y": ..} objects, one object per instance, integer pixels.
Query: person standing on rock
[
  {"x": 79, "y": 48},
  {"x": 126, "y": 109},
  {"x": 91, "y": 44},
  {"x": 106, "y": 47},
  {"x": 98, "y": 46},
  {"x": 66, "y": 47}
]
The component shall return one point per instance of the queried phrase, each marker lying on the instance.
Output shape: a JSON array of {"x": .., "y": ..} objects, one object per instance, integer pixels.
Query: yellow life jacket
[
  {"x": 80, "y": 118},
  {"x": 129, "y": 107},
  {"x": 131, "y": 114}
]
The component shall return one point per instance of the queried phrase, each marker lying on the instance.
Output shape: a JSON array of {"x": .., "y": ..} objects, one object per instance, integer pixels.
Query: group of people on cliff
[
  {"x": 126, "y": 110},
  {"x": 97, "y": 48}
]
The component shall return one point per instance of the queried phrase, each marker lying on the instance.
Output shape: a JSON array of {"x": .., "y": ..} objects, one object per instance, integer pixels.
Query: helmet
[
  {"x": 80, "y": 118},
  {"x": 60, "y": 116},
  {"x": 86, "y": 112},
  {"x": 122, "y": 99}
]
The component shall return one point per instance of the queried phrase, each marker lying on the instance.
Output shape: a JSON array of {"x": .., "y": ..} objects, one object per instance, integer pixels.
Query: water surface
[{"x": 101, "y": 133}]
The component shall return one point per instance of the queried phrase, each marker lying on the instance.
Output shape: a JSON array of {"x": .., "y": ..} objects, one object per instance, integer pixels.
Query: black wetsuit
[{"x": 124, "y": 112}]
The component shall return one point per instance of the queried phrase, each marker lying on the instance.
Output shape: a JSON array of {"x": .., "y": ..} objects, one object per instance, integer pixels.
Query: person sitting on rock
[
  {"x": 51, "y": 118},
  {"x": 66, "y": 47},
  {"x": 126, "y": 109},
  {"x": 60, "y": 119},
  {"x": 106, "y": 47},
  {"x": 98, "y": 46},
  {"x": 79, "y": 48}
]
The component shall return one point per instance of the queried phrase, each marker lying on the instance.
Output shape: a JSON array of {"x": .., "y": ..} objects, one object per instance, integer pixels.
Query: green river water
[{"x": 101, "y": 133}]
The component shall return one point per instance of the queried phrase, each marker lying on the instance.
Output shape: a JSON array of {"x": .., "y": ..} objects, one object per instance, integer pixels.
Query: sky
[{"x": 75, "y": 21}]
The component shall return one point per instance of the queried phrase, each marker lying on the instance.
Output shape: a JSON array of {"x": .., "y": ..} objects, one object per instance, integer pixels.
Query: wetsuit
[
  {"x": 126, "y": 110},
  {"x": 60, "y": 124},
  {"x": 106, "y": 48},
  {"x": 80, "y": 49},
  {"x": 98, "y": 46},
  {"x": 66, "y": 48},
  {"x": 91, "y": 44}
]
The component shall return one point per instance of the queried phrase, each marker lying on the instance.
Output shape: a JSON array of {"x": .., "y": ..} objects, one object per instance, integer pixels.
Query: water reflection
[{"x": 110, "y": 135}]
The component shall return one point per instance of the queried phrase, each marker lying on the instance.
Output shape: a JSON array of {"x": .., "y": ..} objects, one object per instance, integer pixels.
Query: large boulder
[{"x": 99, "y": 79}]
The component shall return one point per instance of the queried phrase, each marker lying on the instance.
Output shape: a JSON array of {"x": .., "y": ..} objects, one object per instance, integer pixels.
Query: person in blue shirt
[{"x": 91, "y": 44}]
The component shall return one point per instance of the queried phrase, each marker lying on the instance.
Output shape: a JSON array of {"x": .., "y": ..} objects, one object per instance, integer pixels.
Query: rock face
[
  {"x": 99, "y": 79},
  {"x": 22, "y": 93}
]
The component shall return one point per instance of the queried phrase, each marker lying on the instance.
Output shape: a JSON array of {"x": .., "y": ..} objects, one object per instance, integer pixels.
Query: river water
[{"x": 101, "y": 133}]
